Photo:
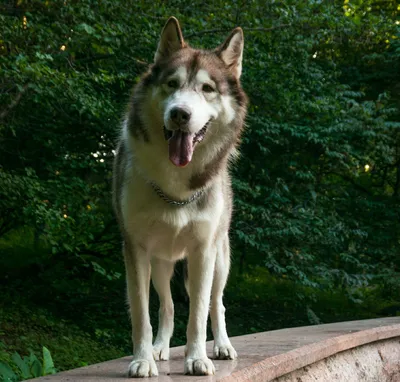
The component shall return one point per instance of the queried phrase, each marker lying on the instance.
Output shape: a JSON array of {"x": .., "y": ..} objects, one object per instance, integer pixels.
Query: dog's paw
[
  {"x": 141, "y": 368},
  {"x": 160, "y": 351},
  {"x": 225, "y": 351},
  {"x": 199, "y": 366}
]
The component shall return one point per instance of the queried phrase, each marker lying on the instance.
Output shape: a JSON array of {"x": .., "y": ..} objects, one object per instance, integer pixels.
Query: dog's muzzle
[{"x": 181, "y": 144}]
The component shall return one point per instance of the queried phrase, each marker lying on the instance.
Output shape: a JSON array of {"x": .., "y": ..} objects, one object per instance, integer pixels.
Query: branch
[
  {"x": 396, "y": 191},
  {"x": 106, "y": 228},
  {"x": 105, "y": 57},
  {"x": 14, "y": 103},
  {"x": 96, "y": 57},
  {"x": 11, "y": 9},
  {"x": 208, "y": 31},
  {"x": 93, "y": 253},
  {"x": 352, "y": 182},
  {"x": 6, "y": 226},
  {"x": 163, "y": 18}
]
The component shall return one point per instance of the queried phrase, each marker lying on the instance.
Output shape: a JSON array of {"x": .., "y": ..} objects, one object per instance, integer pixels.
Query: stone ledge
[
  {"x": 262, "y": 356},
  {"x": 377, "y": 361}
]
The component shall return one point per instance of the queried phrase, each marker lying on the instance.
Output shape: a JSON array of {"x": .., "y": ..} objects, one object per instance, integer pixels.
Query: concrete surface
[
  {"x": 376, "y": 362},
  {"x": 262, "y": 356}
]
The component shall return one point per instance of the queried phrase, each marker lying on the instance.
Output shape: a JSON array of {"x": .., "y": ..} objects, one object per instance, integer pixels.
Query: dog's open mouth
[{"x": 181, "y": 144}]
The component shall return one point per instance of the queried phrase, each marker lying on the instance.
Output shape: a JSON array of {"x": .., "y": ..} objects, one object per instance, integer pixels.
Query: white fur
[
  {"x": 162, "y": 271},
  {"x": 203, "y": 77},
  {"x": 180, "y": 74},
  {"x": 201, "y": 110},
  {"x": 163, "y": 236},
  {"x": 233, "y": 54},
  {"x": 191, "y": 97},
  {"x": 159, "y": 235},
  {"x": 171, "y": 39},
  {"x": 151, "y": 161}
]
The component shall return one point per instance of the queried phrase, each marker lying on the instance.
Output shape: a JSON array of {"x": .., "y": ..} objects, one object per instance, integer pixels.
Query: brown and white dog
[{"x": 172, "y": 192}]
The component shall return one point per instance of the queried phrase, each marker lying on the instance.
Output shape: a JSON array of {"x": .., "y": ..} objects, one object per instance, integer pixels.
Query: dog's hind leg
[
  {"x": 137, "y": 266},
  {"x": 222, "y": 346},
  {"x": 161, "y": 274}
]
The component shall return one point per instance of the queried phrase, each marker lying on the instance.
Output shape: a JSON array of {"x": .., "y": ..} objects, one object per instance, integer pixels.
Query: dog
[{"x": 173, "y": 196}]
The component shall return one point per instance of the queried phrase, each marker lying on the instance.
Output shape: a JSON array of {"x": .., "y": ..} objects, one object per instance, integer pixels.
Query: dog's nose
[{"x": 180, "y": 116}]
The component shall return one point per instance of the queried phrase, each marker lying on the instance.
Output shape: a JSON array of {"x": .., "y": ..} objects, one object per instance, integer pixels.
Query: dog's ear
[
  {"x": 171, "y": 39},
  {"x": 231, "y": 51}
]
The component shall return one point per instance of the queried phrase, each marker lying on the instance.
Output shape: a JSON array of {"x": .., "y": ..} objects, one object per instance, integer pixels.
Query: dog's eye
[
  {"x": 208, "y": 88},
  {"x": 173, "y": 84}
]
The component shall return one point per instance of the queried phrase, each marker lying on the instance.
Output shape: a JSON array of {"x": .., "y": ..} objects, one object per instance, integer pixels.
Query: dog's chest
[
  {"x": 169, "y": 232},
  {"x": 164, "y": 240},
  {"x": 155, "y": 166}
]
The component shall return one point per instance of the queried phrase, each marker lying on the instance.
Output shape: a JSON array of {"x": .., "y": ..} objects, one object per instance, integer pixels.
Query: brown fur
[
  {"x": 156, "y": 230},
  {"x": 193, "y": 59}
]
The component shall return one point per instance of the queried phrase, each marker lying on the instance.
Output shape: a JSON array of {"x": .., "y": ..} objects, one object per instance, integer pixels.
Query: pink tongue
[{"x": 180, "y": 148}]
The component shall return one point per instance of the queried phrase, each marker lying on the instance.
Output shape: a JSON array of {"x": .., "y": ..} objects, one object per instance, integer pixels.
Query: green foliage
[
  {"x": 73, "y": 343},
  {"x": 324, "y": 104},
  {"x": 27, "y": 367},
  {"x": 304, "y": 198}
]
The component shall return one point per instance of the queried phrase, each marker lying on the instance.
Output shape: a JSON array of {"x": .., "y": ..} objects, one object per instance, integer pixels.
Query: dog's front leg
[
  {"x": 161, "y": 273},
  {"x": 137, "y": 266},
  {"x": 223, "y": 348},
  {"x": 201, "y": 269}
]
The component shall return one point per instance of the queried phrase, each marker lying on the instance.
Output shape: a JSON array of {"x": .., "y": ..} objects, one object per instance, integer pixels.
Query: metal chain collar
[{"x": 168, "y": 200}]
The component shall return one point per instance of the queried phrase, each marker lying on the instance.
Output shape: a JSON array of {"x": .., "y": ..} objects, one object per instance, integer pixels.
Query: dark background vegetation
[{"x": 316, "y": 230}]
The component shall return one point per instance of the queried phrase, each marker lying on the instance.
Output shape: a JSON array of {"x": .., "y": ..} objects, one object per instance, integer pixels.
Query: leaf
[
  {"x": 22, "y": 364},
  {"x": 48, "y": 364},
  {"x": 7, "y": 374},
  {"x": 312, "y": 317},
  {"x": 87, "y": 28},
  {"x": 36, "y": 368}
]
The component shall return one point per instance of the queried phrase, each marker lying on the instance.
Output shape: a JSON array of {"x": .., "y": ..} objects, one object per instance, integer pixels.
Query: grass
[{"x": 24, "y": 329}]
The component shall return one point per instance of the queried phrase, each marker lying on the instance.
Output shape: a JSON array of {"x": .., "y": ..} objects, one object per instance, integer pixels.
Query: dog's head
[{"x": 196, "y": 94}]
